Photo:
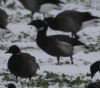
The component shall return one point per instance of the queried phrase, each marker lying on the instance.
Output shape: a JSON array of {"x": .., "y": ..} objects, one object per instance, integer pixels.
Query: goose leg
[
  {"x": 71, "y": 59},
  {"x": 44, "y": 15},
  {"x": 31, "y": 16},
  {"x": 29, "y": 79},
  {"x": 75, "y": 35},
  {"x": 16, "y": 79},
  {"x": 58, "y": 58},
  {"x": 5, "y": 1},
  {"x": 72, "y": 35}
]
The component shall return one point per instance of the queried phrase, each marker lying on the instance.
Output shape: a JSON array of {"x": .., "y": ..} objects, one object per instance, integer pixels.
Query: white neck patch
[{"x": 40, "y": 29}]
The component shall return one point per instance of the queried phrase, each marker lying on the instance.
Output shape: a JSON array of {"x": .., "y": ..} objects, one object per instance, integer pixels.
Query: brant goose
[
  {"x": 34, "y": 5},
  {"x": 51, "y": 44},
  {"x": 69, "y": 21},
  {"x": 94, "y": 68},
  {"x": 11, "y": 85},
  {"x": 3, "y": 19},
  {"x": 21, "y": 64}
]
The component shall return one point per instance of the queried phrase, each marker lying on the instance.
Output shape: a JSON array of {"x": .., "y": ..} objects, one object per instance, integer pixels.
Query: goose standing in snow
[
  {"x": 21, "y": 64},
  {"x": 55, "y": 45}
]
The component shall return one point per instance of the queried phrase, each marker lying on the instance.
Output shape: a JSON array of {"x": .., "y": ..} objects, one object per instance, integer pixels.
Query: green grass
[
  {"x": 11, "y": 5},
  {"x": 49, "y": 79}
]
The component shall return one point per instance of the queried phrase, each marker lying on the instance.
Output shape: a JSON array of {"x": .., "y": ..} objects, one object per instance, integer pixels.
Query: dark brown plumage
[
  {"x": 21, "y": 64},
  {"x": 3, "y": 19},
  {"x": 34, "y": 5},
  {"x": 69, "y": 21},
  {"x": 94, "y": 68},
  {"x": 94, "y": 85},
  {"x": 51, "y": 44},
  {"x": 11, "y": 85}
]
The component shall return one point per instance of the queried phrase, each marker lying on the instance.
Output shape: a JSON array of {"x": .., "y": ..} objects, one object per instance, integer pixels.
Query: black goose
[
  {"x": 94, "y": 68},
  {"x": 69, "y": 21},
  {"x": 94, "y": 85},
  {"x": 11, "y": 85},
  {"x": 55, "y": 45},
  {"x": 3, "y": 19},
  {"x": 72, "y": 41},
  {"x": 21, "y": 64},
  {"x": 34, "y": 5}
]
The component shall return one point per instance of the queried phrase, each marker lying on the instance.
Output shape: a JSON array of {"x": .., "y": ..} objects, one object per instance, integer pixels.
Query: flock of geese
[{"x": 23, "y": 64}]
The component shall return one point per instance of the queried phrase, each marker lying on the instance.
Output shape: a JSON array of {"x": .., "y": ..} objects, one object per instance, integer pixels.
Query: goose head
[
  {"x": 39, "y": 24},
  {"x": 14, "y": 49}
]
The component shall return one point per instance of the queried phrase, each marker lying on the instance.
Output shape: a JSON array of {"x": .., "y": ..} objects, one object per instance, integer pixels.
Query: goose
[
  {"x": 55, "y": 45},
  {"x": 35, "y": 5},
  {"x": 94, "y": 85},
  {"x": 69, "y": 21},
  {"x": 11, "y": 85},
  {"x": 94, "y": 68},
  {"x": 3, "y": 19},
  {"x": 21, "y": 64}
]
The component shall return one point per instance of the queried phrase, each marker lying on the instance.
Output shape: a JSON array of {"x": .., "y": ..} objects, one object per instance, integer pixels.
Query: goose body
[
  {"x": 69, "y": 21},
  {"x": 94, "y": 68},
  {"x": 22, "y": 64},
  {"x": 51, "y": 45},
  {"x": 3, "y": 19},
  {"x": 35, "y": 5},
  {"x": 11, "y": 85},
  {"x": 72, "y": 41},
  {"x": 54, "y": 46}
]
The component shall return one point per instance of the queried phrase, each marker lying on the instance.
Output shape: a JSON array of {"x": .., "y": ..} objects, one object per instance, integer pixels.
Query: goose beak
[{"x": 96, "y": 17}]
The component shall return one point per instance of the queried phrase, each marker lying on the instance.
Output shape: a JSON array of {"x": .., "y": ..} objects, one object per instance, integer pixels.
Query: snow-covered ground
[{"x": 24, "y": 36}]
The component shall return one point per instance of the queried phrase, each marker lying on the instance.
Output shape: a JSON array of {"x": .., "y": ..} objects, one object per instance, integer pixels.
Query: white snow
[{"x": 17, "y": 27}]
